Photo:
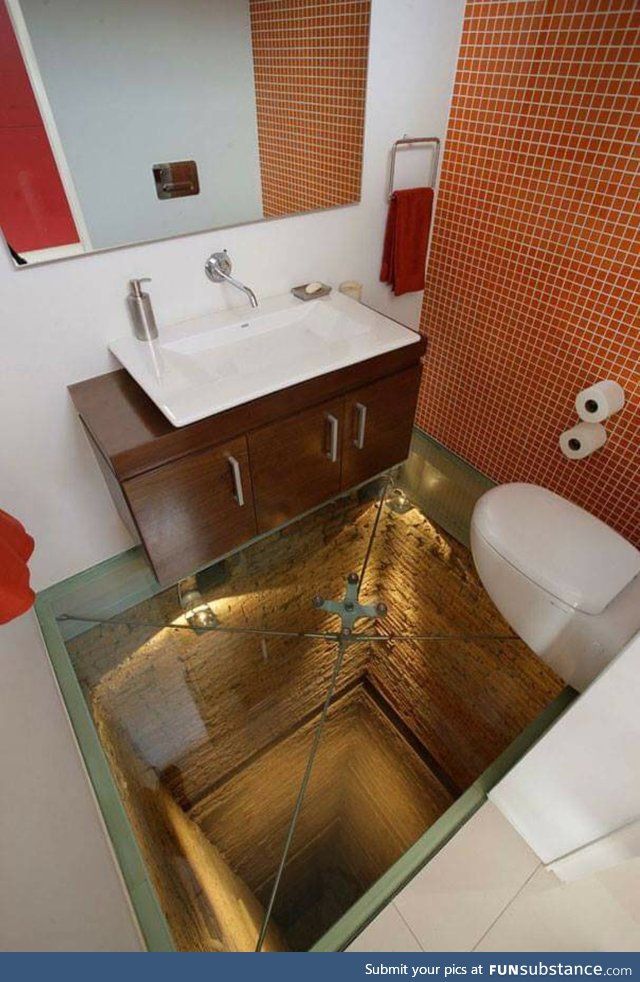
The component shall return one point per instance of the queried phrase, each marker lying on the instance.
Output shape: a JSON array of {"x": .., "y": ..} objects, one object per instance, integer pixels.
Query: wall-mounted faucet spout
[{"x": 218, "y": 268}]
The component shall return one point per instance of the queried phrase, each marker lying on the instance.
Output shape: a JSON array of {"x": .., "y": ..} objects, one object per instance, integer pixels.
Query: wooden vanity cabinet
[
  {"x": 296, "y": 463},
  {"x": 193, "y": 509},
  {"x": 194, "y": 493},
  {"x": 378, "y": 422}
]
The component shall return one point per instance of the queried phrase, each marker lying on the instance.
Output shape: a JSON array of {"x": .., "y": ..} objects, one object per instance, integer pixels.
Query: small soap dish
[{"x": 303, "y": 293}]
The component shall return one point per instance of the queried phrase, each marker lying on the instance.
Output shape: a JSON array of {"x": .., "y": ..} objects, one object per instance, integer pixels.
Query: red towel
[
  {"x": 16, "y": 545},
  {"x": 406, "y": 238}
]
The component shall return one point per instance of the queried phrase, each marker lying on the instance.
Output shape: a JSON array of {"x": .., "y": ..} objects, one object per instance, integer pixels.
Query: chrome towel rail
[{"x": 412, "y": 142}]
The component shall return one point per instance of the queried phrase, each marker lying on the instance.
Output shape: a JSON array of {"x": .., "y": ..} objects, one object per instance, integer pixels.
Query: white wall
[
  {"x": 56, "y": 320},
  {"x": 57, "y": 875},
  {"x": 132, "y": 85},
  {"x": 580, "y": 782}
]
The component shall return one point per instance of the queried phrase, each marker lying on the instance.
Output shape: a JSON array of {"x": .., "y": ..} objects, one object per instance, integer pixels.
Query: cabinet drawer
[
  {"x": 195, "y": 509},
  {"x": 295, "y": 463},
  {"x": 378, "y": 424}
]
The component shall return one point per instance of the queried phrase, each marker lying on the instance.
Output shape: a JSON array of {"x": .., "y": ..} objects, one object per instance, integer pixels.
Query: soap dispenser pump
[{"x": 141, "y": 311}]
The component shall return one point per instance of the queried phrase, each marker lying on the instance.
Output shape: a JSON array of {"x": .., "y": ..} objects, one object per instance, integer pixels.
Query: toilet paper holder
[{"x": 594, "y": 405}]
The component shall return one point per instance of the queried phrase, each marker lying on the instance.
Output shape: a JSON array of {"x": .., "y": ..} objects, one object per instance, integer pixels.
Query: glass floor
[{"x": 282, "y": 733}]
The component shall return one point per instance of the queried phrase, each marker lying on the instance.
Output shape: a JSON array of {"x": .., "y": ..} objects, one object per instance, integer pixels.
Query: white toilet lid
[{"x": 567, "y": 551}]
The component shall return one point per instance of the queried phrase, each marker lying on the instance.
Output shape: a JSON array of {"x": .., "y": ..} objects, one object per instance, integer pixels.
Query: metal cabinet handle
[
  {"x": 332, "y": 452},
  {"x": 237, "y": 480},
  {"x": 361, "y": 415}
]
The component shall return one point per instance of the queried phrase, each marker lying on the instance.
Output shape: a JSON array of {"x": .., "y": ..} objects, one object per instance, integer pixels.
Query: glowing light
[
  {"x": 398, "y": 502},
  {"x": 198, "y": 614},
  {"x": 201, "y": 617}
]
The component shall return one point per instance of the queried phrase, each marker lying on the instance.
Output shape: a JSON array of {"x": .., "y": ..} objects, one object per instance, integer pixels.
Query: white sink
[{"x": 203, "y": 366}]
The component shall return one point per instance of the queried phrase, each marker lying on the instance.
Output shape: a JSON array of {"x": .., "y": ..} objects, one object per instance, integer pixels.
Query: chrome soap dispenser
[{"x": 141, "y": 311}]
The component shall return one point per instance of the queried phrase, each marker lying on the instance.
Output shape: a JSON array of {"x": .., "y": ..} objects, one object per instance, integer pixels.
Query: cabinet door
[
  {"x": 378, "y": 425},
  {"x": 195, "y": 509},
  {"x": 295, "y": 463}
]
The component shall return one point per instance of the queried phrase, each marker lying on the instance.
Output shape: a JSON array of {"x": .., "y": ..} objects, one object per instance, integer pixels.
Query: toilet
[{"x": 567, "y": 584}]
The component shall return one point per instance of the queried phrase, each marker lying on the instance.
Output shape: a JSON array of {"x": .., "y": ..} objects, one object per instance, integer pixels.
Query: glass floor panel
[{"x": 275, "y": 764}]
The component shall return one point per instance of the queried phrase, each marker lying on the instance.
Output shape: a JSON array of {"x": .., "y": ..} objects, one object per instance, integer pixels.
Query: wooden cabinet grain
[
  {"x": 295, "y": 463},
  {"x": 191, "y": 511},
  {"x": 378, "y": 425}
]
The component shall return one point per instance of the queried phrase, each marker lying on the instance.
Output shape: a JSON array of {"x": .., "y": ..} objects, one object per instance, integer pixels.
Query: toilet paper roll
[
  {"x": 600, "y": 401},
  {"x": 582, "y": 439}
]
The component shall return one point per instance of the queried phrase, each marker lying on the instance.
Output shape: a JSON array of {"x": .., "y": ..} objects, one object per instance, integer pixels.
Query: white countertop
[{"x": 203, "y": 366}]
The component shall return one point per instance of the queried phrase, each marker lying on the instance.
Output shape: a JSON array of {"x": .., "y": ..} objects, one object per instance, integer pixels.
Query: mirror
[{"x": 126, "y": 121}]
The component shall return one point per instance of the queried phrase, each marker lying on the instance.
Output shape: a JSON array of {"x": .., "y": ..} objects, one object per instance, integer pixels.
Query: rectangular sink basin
[{"x": 203, "y": 366}]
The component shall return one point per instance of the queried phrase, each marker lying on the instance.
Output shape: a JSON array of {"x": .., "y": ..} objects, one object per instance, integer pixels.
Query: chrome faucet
[{"x": 218, "y": 268}]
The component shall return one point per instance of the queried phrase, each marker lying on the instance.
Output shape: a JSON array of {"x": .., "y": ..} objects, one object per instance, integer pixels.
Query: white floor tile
[
  {"x": 598, "y": 913},
  {"x": 452, "y": 903},
  {"x": 387, "y": 933}
]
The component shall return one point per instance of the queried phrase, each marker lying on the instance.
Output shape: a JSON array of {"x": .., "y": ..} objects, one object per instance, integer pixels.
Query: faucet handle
[{"x": 217, "y": 263}]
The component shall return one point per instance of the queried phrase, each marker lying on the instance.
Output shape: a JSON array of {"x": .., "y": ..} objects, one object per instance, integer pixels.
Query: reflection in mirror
[{"x": 126, "y": 121}]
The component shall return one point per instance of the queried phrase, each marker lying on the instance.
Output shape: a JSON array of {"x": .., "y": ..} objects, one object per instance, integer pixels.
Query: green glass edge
[
  {"x": 131, "y": 582},
  {"x": 422, "y": 439},
  {"x": 144, "y": 901},
  {"x": 354, "y": 921}
]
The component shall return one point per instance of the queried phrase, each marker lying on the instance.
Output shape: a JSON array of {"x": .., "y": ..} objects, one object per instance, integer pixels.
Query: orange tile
[{"x": 533, "y": 286}]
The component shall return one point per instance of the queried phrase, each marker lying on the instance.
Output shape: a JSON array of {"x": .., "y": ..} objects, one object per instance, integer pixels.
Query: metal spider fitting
[{"x": 349, "y": 609}]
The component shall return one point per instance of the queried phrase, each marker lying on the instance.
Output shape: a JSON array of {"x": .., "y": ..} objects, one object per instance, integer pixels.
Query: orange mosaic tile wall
[
  {"x": 310, "y": 64},
  {"x": 532, "y": 283}
]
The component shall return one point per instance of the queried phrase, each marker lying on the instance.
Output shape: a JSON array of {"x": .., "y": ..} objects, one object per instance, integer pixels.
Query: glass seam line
[
  {"x": 301, "y": 792},
  {"x": 367, "y": 556},
  {"x": 313, "y": 635}
]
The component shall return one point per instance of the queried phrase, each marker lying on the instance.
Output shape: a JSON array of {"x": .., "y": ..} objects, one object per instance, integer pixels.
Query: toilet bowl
[{"x": 567, "y": 584}]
